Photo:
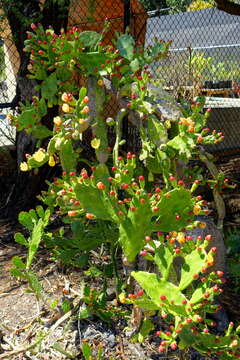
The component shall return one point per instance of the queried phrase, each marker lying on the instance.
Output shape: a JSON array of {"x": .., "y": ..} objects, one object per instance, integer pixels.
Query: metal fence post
[{"x": 126, "y": 14}]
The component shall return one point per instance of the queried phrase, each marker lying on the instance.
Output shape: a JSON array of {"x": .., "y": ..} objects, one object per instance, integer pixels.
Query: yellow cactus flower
[
  {"x": 85, "y": 110},
  {"x": 122, "y": 298},
  {"x": 39, "y": 155},
  {"x": 210, "y": 258},
  {"x": 51, "y": 161},
  {"x": 183, "y": 120},
  {"x": 181, "y": 238},
  {"x": 24, "y": 166},
  {"x": 100, "y": 82},
  {"x": 95, "y": 143},
  {"x": 66, "y": 108},
  {"x": 167, "y": 124},
  {"x": 197, "y": 209},
  {"x": 57, "y": 120},
  {"x": 190, "y": 122},
  {"x": 202, "y": 225},
  {"x": 10, "y": 117},
  {"x": 66, "y": 97}
]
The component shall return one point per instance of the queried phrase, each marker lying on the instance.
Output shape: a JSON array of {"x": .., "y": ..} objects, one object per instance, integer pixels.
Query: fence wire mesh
[
  {"x": 8, "y": 68},
  {"x": 203, "y": 57},
  {"x": 203, "y": 60}
]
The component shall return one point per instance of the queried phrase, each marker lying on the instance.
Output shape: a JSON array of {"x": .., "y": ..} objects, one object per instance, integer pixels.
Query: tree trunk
[
  {"x": 228, "y": 6},
  {"x": 20, "y": 15}
]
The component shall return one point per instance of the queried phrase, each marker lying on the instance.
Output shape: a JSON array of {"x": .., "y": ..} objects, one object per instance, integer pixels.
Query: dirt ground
[{"x": 21, "y": 318}]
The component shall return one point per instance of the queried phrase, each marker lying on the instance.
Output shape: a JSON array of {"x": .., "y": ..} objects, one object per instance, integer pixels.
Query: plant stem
[
  {"x": 220, "y": 205},
  {"x": 118, "y": 129},
  {"x": 113, "y": 250}
]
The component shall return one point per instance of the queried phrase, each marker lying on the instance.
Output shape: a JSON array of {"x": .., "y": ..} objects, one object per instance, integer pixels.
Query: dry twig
[{"x": 23, "y": 349}]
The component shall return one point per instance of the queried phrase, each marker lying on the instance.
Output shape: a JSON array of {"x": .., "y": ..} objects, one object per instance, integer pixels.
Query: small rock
[{"x": 111, "y": 340}]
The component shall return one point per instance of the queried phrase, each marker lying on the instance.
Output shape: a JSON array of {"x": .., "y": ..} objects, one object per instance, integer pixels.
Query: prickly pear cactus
[
  {"x": 139, "y": 213},
  {"x": 188, "y": 299},
  {"x": 150, "y": 220}
]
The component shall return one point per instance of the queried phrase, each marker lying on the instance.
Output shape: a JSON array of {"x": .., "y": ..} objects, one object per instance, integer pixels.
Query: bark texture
[{"x": 228, "y": 6}]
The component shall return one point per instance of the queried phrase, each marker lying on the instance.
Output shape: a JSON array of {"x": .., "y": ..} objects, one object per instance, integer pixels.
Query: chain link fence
[
  {"x": 8, "y": 68},
  {"x": 203, "y": 57},
  {"x": 203, "y": 60}
]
